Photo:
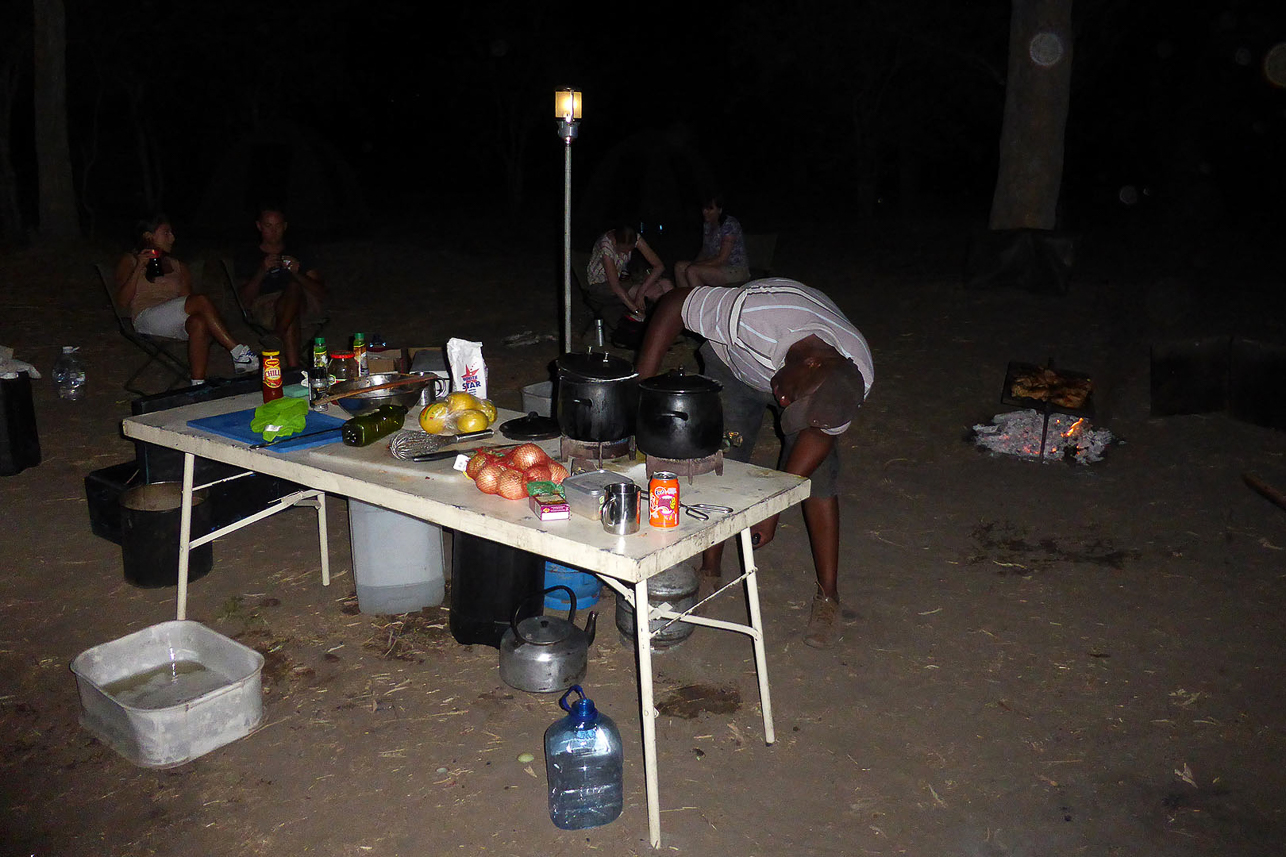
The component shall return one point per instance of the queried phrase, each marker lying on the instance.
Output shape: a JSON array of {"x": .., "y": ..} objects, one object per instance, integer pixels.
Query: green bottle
[{"x": 368, "y": 428}]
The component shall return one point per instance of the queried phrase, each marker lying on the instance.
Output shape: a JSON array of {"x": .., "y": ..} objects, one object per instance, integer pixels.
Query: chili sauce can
[{"x": 663, "y": 499}]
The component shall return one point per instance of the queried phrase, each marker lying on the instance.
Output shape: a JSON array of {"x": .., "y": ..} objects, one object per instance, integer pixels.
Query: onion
[
  {"x": 479, "y": 461},
  {"x": 539, "y": 473},
  {"x": 488, "y": 478},
  {"x": 557, "y": 473},
  {"x": 511, "y": 485},
  {"x": 527, "y": 455}
]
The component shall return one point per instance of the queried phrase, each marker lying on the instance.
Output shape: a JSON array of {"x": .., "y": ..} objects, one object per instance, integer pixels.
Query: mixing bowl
[{"x": 406, "y": 395}]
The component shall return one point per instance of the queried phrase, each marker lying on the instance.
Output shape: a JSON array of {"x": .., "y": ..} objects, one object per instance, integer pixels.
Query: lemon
[
  {"x": 433, "y": 418},
  {"x": 488, "y": 410},
  {"x": 459, "y": 401},
  {"x": 470, "y": 419}
]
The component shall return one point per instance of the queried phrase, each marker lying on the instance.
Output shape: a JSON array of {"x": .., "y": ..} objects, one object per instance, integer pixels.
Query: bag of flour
[{"x": 468, "y": 369}]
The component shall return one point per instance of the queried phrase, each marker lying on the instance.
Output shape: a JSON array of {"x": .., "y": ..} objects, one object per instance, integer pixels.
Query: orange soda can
[{"x": 663, "y": 499}]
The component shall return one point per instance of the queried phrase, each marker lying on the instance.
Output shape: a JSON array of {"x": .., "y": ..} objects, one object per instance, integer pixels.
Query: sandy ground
[{"x": 1038, "y": 659}]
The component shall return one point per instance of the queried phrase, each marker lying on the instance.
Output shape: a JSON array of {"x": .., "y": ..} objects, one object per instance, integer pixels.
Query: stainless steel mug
[{"x": 622, "y": 505}]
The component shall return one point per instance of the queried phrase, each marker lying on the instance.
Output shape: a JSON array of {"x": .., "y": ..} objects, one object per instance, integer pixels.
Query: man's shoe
[{"x": 823, "y": 623}]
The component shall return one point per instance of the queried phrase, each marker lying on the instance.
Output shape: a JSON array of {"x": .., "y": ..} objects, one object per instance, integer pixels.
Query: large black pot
[
  {"x": 597, "y": 393},
  {"x": 680, "y": 416}
]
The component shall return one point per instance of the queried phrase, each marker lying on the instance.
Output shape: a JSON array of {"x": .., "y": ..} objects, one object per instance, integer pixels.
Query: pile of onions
[{"x": 508, "y": 474}]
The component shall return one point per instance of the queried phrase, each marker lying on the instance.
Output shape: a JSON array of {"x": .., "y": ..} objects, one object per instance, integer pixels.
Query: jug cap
[{"x": 583, "y": 712}]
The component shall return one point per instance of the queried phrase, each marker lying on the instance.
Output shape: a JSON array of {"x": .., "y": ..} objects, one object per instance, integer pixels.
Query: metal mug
[
  {"x": 622, "y": 506},
  {"x": 436, "y": 387}
]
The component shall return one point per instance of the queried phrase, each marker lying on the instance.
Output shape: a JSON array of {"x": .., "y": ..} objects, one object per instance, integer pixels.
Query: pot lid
[
  {"x": 531, "y": 427},
  {"x": 597, "y": 366},
  {"x": 544, "y": 630},
  {"x": 678, "y": 381}
]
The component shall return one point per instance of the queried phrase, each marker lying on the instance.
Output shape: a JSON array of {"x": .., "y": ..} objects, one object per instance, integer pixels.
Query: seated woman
[
  {"x": 723, "y": 258},
  {"x": 165, "y": 306},
  {"x": 608, "y": 275}
]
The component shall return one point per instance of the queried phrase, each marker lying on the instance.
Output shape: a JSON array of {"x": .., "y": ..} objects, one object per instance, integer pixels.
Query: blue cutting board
[{"x": 237, "y": 426}]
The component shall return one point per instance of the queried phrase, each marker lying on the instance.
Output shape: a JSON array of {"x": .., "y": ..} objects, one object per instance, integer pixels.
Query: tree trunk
[
  {"x": 58, "y": 218},
  {"x": 10, "y": 211},
  {"x": 1036, "y": 100}
]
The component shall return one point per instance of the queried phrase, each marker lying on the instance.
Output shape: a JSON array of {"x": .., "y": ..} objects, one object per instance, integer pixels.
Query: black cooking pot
[
  {"x": 597, "y": 393},
  {"x": 680, "y": 416}
]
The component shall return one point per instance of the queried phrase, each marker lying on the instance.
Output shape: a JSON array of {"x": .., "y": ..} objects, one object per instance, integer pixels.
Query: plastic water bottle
[
  {"x": 583, "y": 756},
  {"x": 69, "y": 374}
]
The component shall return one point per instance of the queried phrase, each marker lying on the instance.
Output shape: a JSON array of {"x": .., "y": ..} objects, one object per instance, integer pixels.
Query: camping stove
[
  {"x": 572, "y": 451},
  {"x": 688, "y": 467}
]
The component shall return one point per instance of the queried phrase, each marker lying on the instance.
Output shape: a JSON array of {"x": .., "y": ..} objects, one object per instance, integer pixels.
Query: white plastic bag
[{"x": 468, "y": 369}]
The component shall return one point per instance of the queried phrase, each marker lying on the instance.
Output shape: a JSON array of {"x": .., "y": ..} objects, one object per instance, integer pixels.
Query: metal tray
[{"x": 1016, "y": 369}]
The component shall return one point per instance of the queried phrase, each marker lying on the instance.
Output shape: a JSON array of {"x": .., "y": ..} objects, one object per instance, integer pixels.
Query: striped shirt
[{"x": 772, "y": 315}]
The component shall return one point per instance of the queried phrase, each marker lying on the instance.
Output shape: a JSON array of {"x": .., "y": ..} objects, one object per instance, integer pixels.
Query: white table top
[{"x": 435, "y": 492}]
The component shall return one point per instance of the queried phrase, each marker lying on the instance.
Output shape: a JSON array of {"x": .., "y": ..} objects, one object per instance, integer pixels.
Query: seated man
[{"x": 278, "y": 287}]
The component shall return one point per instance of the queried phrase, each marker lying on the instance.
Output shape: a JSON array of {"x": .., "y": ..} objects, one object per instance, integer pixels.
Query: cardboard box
[
  {"x": 380, "y": 360},
  {"x": 550, "y": 507}
]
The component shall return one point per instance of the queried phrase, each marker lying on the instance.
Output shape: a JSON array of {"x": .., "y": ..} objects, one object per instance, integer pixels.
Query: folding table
[{"x": 435, "y": 492}]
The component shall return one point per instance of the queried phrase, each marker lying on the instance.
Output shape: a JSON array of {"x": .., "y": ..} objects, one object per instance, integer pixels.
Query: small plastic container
[
  {"x": 586, "y": 586},
  {"x": 169, "y": 693},
  {"x": 585, "y": 491}
]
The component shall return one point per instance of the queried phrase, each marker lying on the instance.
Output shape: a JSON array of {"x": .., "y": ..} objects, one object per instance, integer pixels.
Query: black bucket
[
  {"x": 489, "y": 581},
  {"x": 150, "y": 520},
  {"x": 19, "y": 441}
]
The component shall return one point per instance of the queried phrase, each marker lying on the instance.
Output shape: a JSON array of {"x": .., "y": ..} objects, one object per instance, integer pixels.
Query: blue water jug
[{"x": 583, "y": 756}]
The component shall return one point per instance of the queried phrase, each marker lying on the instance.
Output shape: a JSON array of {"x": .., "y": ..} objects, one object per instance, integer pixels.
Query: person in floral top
[{"x": 723, "y": 258}]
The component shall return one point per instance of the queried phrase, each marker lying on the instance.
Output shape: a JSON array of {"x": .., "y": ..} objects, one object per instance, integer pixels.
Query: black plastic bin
[
  {"x": 489, "y": 580},
  {"x": 19, "y": 441},
  {"x": 150, "y": 521}
]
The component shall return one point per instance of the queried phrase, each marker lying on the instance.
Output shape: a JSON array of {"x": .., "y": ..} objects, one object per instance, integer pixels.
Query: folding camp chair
[
  {"x": 315, "y": 324},
  {"x": 160, "y": 350}
]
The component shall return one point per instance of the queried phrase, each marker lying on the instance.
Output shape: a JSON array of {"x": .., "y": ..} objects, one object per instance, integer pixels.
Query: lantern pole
[{"x": 567, "y": 109}]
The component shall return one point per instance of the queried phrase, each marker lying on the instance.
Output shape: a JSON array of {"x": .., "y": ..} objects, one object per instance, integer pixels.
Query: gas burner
[
  {"x": 688, "y": 467},
  {"x": 572, "y": 451}
]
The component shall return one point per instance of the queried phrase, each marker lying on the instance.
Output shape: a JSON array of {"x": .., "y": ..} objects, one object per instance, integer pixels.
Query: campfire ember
[{"x": 1019, "y": 433}]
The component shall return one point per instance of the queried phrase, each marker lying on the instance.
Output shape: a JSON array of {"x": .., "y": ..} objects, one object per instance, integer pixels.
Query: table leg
[
  {"x": 757, "y": 622},
  {"x": 185, "y": 534},
  {"x": 321, "y": 537},
  {"x": 643, "y": 635}
]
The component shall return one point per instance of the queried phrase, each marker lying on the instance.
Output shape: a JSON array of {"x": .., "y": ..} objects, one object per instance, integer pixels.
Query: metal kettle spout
[{"x": 591, "y": 627}]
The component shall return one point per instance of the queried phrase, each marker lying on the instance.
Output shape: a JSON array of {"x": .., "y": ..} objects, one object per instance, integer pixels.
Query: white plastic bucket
[{"x": 397, "y": 560}]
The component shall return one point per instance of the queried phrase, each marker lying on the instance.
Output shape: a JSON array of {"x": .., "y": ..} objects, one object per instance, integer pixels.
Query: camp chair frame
[
  {"x": 316, "y": 325},
  {"x": 157, "y": 348}
]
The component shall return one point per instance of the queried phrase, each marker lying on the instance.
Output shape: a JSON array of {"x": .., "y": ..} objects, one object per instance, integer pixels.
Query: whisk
[{"x": 411, "y": 445}]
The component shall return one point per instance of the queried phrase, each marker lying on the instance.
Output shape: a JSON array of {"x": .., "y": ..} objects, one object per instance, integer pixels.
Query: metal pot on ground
[
  {"x": 680, "y": 416},
  {"x": 597, "y": 395}
]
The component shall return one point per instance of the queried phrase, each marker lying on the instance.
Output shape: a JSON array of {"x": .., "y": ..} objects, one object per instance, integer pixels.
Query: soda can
[{"x": 663, "y": 499}]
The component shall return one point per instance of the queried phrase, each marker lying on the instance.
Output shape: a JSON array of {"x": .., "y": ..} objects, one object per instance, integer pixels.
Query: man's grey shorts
[{"x": 743, "y": 412}]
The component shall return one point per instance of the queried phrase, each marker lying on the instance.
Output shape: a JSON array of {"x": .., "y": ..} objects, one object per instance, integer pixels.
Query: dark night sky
[{"x": 785, "y": 106}]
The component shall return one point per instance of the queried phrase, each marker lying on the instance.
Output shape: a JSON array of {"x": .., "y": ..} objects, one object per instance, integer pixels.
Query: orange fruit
[
  {"x": 460, "y": 401},
  {"x": 469, "y": 420},
  {"x": 433, "y": 419}
]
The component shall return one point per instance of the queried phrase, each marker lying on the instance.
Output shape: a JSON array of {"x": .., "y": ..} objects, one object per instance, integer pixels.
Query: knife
[{"x": 292, "y": 437}]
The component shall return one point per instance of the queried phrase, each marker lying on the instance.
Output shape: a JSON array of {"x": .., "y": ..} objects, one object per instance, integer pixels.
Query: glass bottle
[
  {"x": 271, "y": 365},
  {"x": 368, "y": 428}
]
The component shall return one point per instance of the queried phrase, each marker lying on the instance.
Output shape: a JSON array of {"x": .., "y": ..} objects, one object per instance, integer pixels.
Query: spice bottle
[
  {"x": 368, "y": 428},
  {"x": 342, "y": 367},
  {"x": 272, "y": 376},
  {"x": 359, "y": 354}
]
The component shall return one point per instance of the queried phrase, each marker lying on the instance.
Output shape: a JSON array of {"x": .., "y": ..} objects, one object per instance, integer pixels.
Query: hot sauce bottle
[{"x": 272, "y": 376}]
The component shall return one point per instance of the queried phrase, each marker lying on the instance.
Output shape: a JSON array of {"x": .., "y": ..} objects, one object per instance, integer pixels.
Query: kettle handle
[{"x": 513, "y": 620}]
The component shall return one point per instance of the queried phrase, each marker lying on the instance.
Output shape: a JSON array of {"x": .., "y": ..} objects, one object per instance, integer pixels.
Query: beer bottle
[{"x": 153, "y": 272}]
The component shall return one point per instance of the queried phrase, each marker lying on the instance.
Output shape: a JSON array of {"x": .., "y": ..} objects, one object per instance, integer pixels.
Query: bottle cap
[
  {"x": 340, "y": 355},
  {"x": 272, "y": 354}
]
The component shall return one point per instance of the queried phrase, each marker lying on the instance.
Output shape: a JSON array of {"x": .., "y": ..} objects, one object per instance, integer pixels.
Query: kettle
[{"x": 546, "y": 654}]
